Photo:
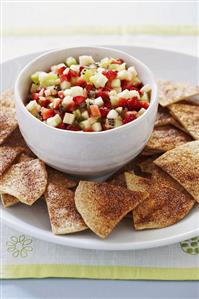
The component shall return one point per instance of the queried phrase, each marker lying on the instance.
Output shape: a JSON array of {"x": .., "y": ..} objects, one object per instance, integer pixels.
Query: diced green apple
[
  {"x": 54, "y": 121},
  {"x": 71, "y": 61},
  {"x": 69, "y": 118}
]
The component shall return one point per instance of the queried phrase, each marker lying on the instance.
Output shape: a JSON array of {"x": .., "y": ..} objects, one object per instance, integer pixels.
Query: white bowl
[{"x": 84, "y": 153}]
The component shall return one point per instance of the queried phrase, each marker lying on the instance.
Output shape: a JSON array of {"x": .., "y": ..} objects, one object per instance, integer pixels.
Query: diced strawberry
[
  {"x": 110, "y": 75},
  {"x": 61, "y": 94},
  {"x": 107, "y": 104},
  {"x": 135, "y": 88},
  {"x": 79, "y": 100},
  {"x": 144, "y": 104},
  {"x": 128, "y": 118},
  {"x": 89, "y": 87},
  {"x": 104, "y": 111},
  {"x": 64, "y": 78},
  {"x": 35, "y": 96},
  {"x": 122, "y": 102},
  {"x": 61, "y": 126},
  {"x": 46, "y": 113},
  {"x": 95, "y": 112},
  {"x": 139, "y": 85},
  {"x": 73, "y": 74},
  {"x": 61, "y": 70},
  {"x": 72, "y": 128},
  {"x": 133, "y": 104},
  {"x": 103, "y": 94},
  {"x": 81, "y": 68},
  {"x": 71, "y": 107},
  {"x": 81, "y": 82},
  {"x": 45, "y": 103}
]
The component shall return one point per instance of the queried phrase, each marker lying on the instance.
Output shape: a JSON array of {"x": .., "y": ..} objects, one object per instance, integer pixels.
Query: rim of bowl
[{"x": 132, "y": 123}]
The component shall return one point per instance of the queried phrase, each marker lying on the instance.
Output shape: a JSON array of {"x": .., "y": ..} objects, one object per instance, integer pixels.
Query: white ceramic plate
[{"x": 34, "y": 220}]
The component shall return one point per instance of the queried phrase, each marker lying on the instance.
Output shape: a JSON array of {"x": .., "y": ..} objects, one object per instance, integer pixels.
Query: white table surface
[{"x": 82, "y": 288}]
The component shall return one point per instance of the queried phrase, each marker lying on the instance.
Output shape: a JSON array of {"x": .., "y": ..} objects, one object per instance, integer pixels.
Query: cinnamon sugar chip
[
  {"x": 63, "y": 214},
  {"x": 164, "y": 206},
  {"x": 8, "y": 122},
  {"x": 103, "y": 205},
  {"x": 26, "y": 181},
  {"x": 7, "y": 156},
  {"x": 7, "y": 98},
  {"x": 172, "y": 92},
  {"x": 182, "y": 163}
]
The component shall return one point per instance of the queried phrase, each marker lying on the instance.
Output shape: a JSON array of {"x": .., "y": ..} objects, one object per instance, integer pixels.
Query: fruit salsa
[{"x": 85, "y": 95}]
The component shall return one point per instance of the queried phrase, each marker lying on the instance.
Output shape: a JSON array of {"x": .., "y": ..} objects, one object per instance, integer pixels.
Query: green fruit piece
[
  {"x": 48, "y": 80},
  {"x": 35, "y": 78}
]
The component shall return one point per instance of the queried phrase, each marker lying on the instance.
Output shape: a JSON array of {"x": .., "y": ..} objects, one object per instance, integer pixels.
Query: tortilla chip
[
  {"x": 172, "y": 92},
  {"x": 7, "y": 98},
  {"x": 163, "y": 207},
  {"x": 57, "y": 176},
  {"x": 188, "y": 116},
  {"x": 16, "y": 139},
  {"x": 63, "y": 214},
  {"x": 182, "y": 163},
  {"x": 102, "y": 206},
  {"x": 7, "y": 156},
  {"x": 166, "y": 138},
  {"x": 118, "y": 180},
  {"x": 137, "y": 183},
  {"x": 163, "y": 118},
  {"x": 8, "y": 200},
  {"x": 26, "y": 181},
  {"x": 8, "y": 122}
]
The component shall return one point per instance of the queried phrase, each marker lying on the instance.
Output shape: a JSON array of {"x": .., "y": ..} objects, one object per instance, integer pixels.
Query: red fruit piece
[
  {"x": 110, "y": 75},
  {"x": 133, "y": 104},
  {"x": 61, "y": 126},
  {"x": 61, "y": 94},
  {"x": 103, "y": 94},
  {"x": 35, "y": 96},
  {"x": 73, "y": 74},
  {"x": 89, "y": 87},
  {"x": 88, "y": 130},
  {"x": 128, "y": 118},
  {"x": 72, "y": 128},
  {"x": 71, "y": 107},
  {"x": 144, "y": 104},
  {"x": 79, "y": 100},
  {"x": 46, "y": 113},
  {"x": 64, "y": 78},
  {"x": 61, "y": 70},
  {"x": 81, "y": 82},
  {"x": 122, "y": 102},
  {"x": 117, "y": 61},
  {"x": 104, "y": 111}
]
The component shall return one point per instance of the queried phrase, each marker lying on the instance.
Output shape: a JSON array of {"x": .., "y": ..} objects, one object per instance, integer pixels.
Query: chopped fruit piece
[
  {"x": 64, "y": 78},
  {"x": 46, "y": 113},
  {"x": 67, "y": 101},
  {"x": 119, "y": 109},
  {"x": 95, "y": 112},
  {"x": 99, "y": 101},
  {"x": 33, "y": 108},
  {"x": 103, "y": 94},
  {"x": 79, "y": 100},
  {"x": 114, "y": 100},
  {"x": 133, "y": 104},
  {"x": 86, "y": 60},
  {"x": 104, "y": 111},
  {"x": 146, "y": 88},
  {"x": 112, "y": 114},
  {"x": 98, "y": 80},
  {"x": 81, "y": 82},
  {"x": 116, "y": 83},
  {"x": 141, "y": 111},
  {"x": 77, "y": 91},
  {"x": 85, "y": 124},
  {"x": 85, "y": 115},
  {"x": 70, "y": 61},
  {"x": 54, "y": 121},
  {"x": 128, "y": 118},
  {"x": 97, "y": 127},
  {"x": 124, "y": 75},
  {"x": 110, "y": 75},
  {"x": 68, "y": 118},
  {"x": 144, "y": 105},
  {"x": 122, "y": 102},
  {"x": 134, "y": 93},
  {"x": 61, "y": 70},
  {"x": 145, "y": 97}
]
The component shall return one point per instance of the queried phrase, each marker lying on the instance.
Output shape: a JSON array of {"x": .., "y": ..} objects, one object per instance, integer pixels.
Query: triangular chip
[
  {"x": 165, "y": 138},
  {"x": 57, "y": 176},
  {"x": 7, "y": 98},
  {"x": 102, "y": 206},
  {"x": 8, "y": 122},
  {"x": 16, "y": 139},
  {"x": 7, "y": 199},
  {"x": 163, "y": 207},
  {"x": 182, "y": 163},
  {"x": 172, "y": 92},
  {"x": 26, "y": 181},
  {"x": 63, "y": 214},
  {"x": 188, "y": 116},
  {"x": 7, "y": 156},
  {"x": 163, "y": 118},
  {"x": 118, "y": 180},
  {"x": 137, "y": 183}
]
